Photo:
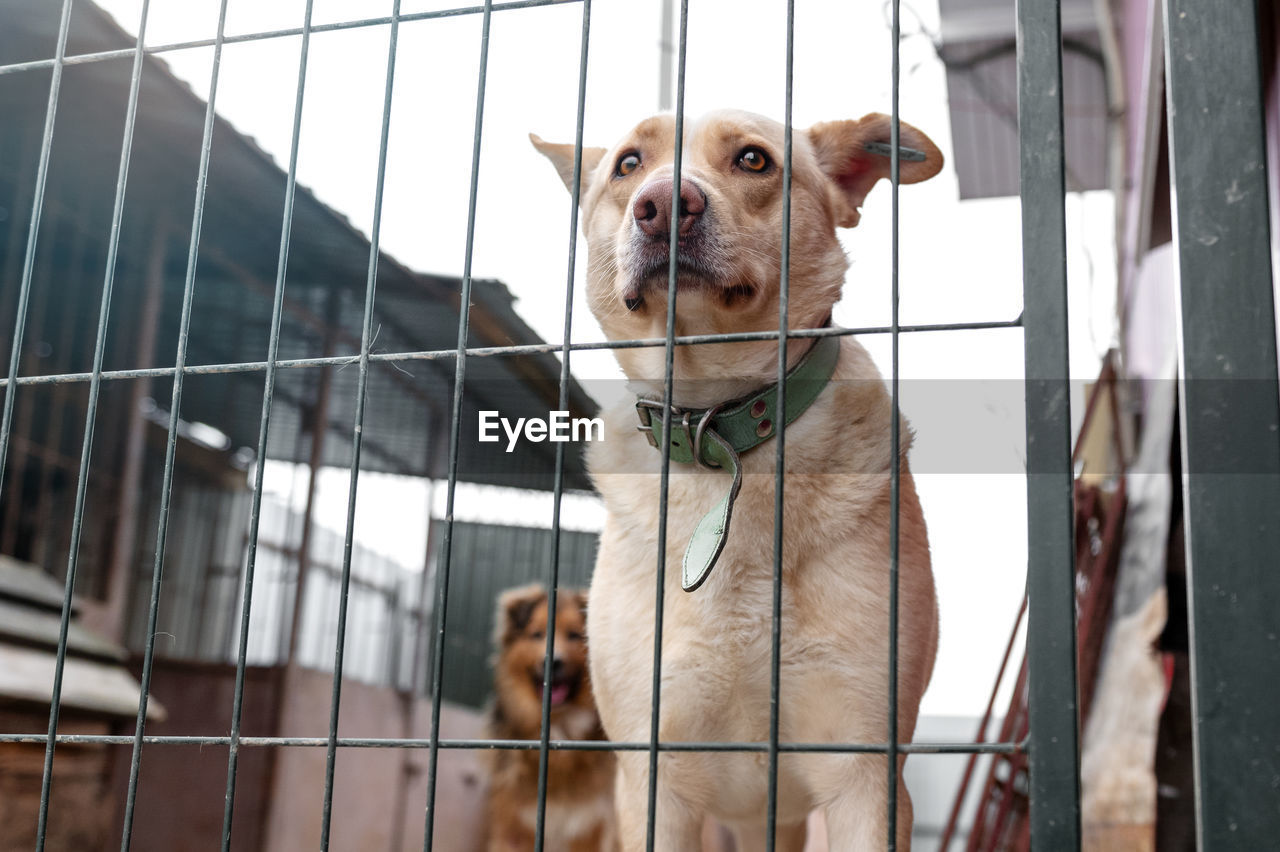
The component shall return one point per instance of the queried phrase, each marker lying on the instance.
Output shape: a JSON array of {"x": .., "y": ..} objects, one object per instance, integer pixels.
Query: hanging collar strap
[{"x": 714, "y": 438}]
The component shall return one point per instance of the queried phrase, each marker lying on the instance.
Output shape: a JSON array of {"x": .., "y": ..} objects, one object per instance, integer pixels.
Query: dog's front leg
[
  {"x": 677, "y": 826},
  {"x": 857, "y": 820},
  {"x": 788, "y": 838}
]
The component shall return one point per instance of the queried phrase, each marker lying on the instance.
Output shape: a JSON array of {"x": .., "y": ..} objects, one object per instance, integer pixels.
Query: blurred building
[
  {"x": 381, "y": 792},
  {"x": 1137, "y": 769}
]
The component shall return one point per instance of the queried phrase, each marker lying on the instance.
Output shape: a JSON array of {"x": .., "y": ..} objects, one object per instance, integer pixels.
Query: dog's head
[
  {"x": 729, "y": 226},
  {"x": 522, "y": 625}
]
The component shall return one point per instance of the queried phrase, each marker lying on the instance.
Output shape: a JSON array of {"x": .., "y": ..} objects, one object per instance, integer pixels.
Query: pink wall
[
  {"x": 181, "y": 788},
  {"x": 379, "y": 794}
]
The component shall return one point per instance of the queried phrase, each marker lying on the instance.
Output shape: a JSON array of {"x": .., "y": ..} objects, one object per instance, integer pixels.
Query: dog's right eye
[{"x": 627, "y": 164}]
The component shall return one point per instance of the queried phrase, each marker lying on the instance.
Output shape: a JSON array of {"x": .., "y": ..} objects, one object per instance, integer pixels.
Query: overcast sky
[{"x": 959, "y": 261}]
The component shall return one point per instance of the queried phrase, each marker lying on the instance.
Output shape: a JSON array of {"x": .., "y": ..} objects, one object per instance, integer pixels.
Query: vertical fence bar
[
  {"x": 895, "y": 429},
  {"x": 665, "y": 49},
  {"x": 1230, "y": 417},
  {"x": 33, "y": 234},
  {"x": 455, "y": 440},
  {"x": 357, "y": 437},
  {"x": 1051, "y": 637},
  {"x": 780, "y": 468},
  {"x": 664, "y": 478},
  {"x": 95, "y": 384},
  {"x": 268, "y": 392},
  {"x": 553, "y": 581},
  {"x": 171, "y": 443}
]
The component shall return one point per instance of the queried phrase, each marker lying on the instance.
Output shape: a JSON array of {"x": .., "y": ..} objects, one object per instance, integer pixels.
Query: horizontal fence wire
[
  {"x": 499, "y": 351},
  {"x": 526, "y": 745},
  {"x": 385, "y": 20}
]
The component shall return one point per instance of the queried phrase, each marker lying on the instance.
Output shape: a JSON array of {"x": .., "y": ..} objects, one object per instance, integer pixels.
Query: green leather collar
[{"x": 714, "y": 437}]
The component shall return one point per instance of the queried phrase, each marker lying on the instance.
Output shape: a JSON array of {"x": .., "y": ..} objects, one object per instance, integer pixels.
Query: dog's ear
[
  {"x": 855, "y": 154},
  {"x": 515, "y": 609},
  {"x": 561, "y": 156}
]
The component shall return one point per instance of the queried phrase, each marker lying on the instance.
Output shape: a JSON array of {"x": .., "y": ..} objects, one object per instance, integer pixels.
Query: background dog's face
[
  {"x": 522, "y": 632},
  {"x": 729, "y": 229}
]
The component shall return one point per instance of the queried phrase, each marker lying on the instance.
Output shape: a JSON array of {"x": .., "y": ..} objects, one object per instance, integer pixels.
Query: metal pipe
[
  {"x": 1230, "y": 411},
  {"x": 1051, "y": 633}
]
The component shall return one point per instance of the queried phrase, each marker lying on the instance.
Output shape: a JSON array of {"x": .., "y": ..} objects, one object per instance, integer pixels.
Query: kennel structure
[
  {"x": 196, "y": 651},
  {"x": 312, "y": 316}
]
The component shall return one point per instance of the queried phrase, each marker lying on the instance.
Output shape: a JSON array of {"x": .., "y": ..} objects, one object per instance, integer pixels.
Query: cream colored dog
[{"x": 835, "y": 616}]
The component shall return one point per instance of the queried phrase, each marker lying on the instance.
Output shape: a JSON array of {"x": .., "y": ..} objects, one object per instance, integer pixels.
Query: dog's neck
[
  {"x": 727, "y": 429},
  {"x": 705, "y": 375}
]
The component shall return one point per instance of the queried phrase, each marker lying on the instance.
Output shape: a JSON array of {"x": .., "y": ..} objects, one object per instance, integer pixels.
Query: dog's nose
[
  {"x": 652, "y": 207},
  {"x": 557, "y": 668}
]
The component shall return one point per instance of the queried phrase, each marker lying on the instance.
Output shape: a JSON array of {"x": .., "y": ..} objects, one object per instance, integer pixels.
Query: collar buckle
[
  {"x": 687, "y": 430},
  {"x": 650, "y": 413},
  {"x": 703, "y": 422}
]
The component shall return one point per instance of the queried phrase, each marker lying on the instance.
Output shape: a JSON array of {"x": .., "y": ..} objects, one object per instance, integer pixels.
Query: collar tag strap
[{"x": 711, "y": 533}]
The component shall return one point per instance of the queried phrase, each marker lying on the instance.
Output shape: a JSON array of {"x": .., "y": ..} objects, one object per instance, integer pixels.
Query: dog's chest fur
[{"x": 716, "y": 640}]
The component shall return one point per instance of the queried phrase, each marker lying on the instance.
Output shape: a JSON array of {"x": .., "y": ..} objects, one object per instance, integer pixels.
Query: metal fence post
[
  {"x": 1051, "y": 634},
  {"x": 1230, "y": 418}
]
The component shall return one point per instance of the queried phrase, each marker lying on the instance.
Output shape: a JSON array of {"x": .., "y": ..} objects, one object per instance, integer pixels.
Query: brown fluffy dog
[
  {"x": 579, "y": 811},
  {"x": 835, "y": 617}
]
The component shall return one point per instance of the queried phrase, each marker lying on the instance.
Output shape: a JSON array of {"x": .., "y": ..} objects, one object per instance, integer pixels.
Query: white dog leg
[
  {"x": 857, "y": 821},
  {"x": 677, "y": 827},
  {"x": 751, "y": 838}
]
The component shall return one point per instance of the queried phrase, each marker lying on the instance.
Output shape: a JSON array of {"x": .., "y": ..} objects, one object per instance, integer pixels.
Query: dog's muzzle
[{"x": 648, "y": 254}]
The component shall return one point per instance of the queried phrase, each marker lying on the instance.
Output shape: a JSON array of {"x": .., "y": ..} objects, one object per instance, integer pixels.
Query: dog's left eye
[
  {"x": 575, "y": 636},
  {"x": 753, "y": 160}
]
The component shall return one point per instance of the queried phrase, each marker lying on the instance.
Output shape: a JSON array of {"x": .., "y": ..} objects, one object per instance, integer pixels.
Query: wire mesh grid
[{"x": 1054, "y": 767}]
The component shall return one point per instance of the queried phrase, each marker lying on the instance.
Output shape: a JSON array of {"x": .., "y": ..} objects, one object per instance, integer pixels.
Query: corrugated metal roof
[
  {"x": 979, "y": 52},
  {"x": 408, "y": 404}
]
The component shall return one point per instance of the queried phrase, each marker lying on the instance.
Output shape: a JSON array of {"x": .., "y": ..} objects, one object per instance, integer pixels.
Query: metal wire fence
[
  {"x": 1064, "y": 665},
  {"x": 1053, "y": 741}
]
